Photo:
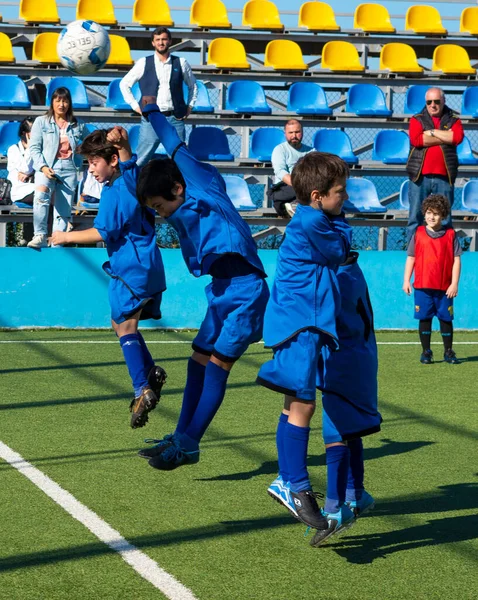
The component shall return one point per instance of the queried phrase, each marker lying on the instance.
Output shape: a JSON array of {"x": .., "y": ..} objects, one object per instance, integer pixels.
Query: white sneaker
[
  {"x": 38, "y": 241},
  {"x": 290, "y": 208}
]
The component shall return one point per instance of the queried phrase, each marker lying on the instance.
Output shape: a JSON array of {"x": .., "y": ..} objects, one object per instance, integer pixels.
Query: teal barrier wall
[{"x": 66, "y": 287}]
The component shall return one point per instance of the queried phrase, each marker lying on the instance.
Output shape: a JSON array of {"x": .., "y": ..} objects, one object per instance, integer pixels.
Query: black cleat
[
  {"x": 173, "y": 456},
  {"x": 158, "y": 448},
  {"x": 308, "y": 511},
  {"x": 450, "y": 357},
  {"x": 156, "y": 379},
  {"x": 141, "y": 406},
  {"x": 427, "y": 357}
]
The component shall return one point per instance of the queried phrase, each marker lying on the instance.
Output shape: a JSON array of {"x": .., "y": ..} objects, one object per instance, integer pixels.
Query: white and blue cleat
[
  {"x": 279, "y": 490},
  {"x": 337, "y": 523},
  {"x": 360, "y": 507}
]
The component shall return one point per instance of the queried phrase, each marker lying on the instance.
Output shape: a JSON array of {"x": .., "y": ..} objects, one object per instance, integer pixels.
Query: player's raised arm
[{"x": 118, "y": 137}]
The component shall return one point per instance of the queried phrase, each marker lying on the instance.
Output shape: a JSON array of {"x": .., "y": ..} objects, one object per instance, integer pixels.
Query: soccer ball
[{"x": 83, "y": 47}]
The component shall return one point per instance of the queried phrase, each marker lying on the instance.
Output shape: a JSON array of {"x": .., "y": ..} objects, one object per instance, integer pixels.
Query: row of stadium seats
[
  {"x": 469, "y": 196},
  {"x": 257, "y": 14}
]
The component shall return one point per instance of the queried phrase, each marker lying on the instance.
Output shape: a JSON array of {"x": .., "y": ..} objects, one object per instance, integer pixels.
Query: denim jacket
[{"x": 45, "y": 140}]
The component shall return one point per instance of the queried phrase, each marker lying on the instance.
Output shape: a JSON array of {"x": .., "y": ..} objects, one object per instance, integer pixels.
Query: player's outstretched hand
[
  {"x": 118, "y": 136},
  {"x": 407, "y": 287},
  {"x": 452, "y": 291},
  {"x": 58, "y": 238}
]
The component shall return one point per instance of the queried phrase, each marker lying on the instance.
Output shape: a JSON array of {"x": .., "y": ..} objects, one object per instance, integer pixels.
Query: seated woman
[{"x": 20, "y": 166}]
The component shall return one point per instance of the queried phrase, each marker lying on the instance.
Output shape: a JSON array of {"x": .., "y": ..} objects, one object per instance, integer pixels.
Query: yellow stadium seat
[
  {"x": 469, "y": 20},
  {"x": 373, "y": 18},
  {"x": 399, "y": 58},
  {"x": 209, "y": 13},
  {"x": 152, "y": 13},
  {"x": 284, "y": 55},
  {"x": 33, "y": 11},
  {"x": 317, "y": 16},
  {"x": 101, "y": 11},
  {"x": 450, "y": 58},
  {"x": 424, "y": 19},
  {"x": 341, "y": 56},
  {"x": 44, "y": 48},
  {"x": 261, "y": 14},
  {"x": 6, "y": 50},
  {"x": 120, "y": 52},
  {"x": 227, "y": 53}
]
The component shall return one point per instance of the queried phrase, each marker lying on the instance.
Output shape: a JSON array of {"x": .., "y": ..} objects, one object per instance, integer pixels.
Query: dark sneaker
[
  {"x": 158, "y": 448},
  {"x": 308, "y": 510},
  {"x": 337, "y": 523},
  {"x": 141, "y": 406},
  {"x": 450, "y": 357},
  {"x": 173, "y": 457},
  {"x": 156, "y": 379},
  {"x": 427, "y": 357}
]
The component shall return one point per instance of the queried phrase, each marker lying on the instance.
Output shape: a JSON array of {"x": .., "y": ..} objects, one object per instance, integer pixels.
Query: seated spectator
[
  {"x": 90, "y": 189},
  {"x": 20, "y": 166},
  {"x": 284, "y": 157}
]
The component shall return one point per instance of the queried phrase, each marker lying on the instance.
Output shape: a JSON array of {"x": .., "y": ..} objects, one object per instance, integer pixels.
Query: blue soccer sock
[
  {"x": 337, "y": 459},
  {"x": 148, "y": 359},
  {"x": 213, "y": 392},
  {"x": 134, "y": 357},
  {"x": 281, "y": 455},
  {"x": 355, "y": 485},
  {"x": 192, "y": 394},
  {"x": 296, "y": 442}
]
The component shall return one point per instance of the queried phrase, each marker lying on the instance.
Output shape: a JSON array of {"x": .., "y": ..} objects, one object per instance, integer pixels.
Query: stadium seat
[
  {"x": 399, "y": 58},
  {"x": 469, "y": 197},
  {"x": 261, "y": 14},
  {"x": 209, "y": 143},
  {"x": 77, "y": 89},
  {"x": 308, "y": 98},
  {"x": 19, "y": 204},
  {"x": 238, "y": 191},
  {"x": 373, "y": 18},
  {"x": 133, "y": 136},
  {"x": 363, "y": 197},
  {"x": 6, "y": 50},
  {"x": 391, "y": 147},
  {"x": 44, "y": 48},
  {"x": 423, "y": 20},
  {"x": 120, "y": 52},
  {"x": 9, "y": 136},
  {"x": 13, "y": 92},
  {"x": 209, "y": 13},
  {"x": 33, "y": 11},
  {"x": 247, "y": 97},
  {"x": 415, "y": 99},
  {"x": 403, "y": 198},
  {"x": 469, "y": 104},
  {"x": 367, "y": 100},
  {"x": 341, "y": 56},
  {"x": 90, "y": 128},
  {"x": 114, "y": 97},
  {"x": 336, "y": 142},
  {"x": 469, "y": 20},
  {"x": 450, "y": 59},
  {"x": 317, "y": 16},
  {"x": 203, "y": 103},
  {"x": 101, "y": 11},
  {"x": 152, "y": 13},
  {"x": 263, "y": 142},
  {"x": 227, "y": 53},
  {"x": 465, "y": 153},
  {"x": 284, "y": 55}
]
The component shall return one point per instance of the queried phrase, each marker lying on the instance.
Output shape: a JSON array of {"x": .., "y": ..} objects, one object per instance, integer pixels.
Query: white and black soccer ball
[{"x": 83, "y": 47}]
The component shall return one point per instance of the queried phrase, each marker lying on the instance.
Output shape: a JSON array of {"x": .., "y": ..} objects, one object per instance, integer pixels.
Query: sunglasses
[{"x": 438, "y": 102}]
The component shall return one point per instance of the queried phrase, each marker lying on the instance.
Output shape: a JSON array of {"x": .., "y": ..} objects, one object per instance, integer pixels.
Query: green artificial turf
[{"x": 64, "y": 407}]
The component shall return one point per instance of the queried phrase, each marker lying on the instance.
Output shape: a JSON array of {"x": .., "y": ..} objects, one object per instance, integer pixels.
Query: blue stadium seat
[
  {"x": 209, "y": 143},
  {"x": 336, "y": 142},
  {"x": 203, "y": 103},
  {"x": 90, "y": 128},
  {"x": 367, "y": 100},
  {"x": 8, "y": 136},
  {"x": 263, "y": 142},
  {"x": 19, "y": 204},
  {"x": 77, "y": 89},
  {"x": 247, "y": 97},
  {"x": 403, "y": 198},
  {"x": 363, "y": 197},
  {"x": 13, "y": 92},
  {"x": 469, "y": 105},
  {"x": 465, "y": 154},
  {"x": 308, "y": 98},
  {"x": 415, "y": 99},
  {"x": 238, "y": 191},
  {"x": 114, "y": 98},
  {"x": 469, "y": 197},
  {"x": 133, "y": 135},
  {"x": 391, "y": 147}
]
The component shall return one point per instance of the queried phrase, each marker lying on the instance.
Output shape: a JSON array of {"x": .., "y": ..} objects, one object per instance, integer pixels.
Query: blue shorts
[
  {"x": 433, "y": 303},
  {"x": 234, "y": 318},
  {"x": 124, "y": 303}
]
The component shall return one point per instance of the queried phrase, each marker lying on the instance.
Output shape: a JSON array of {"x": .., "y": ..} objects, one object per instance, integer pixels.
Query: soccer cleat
[
  {"x": 307, "y": 509},
  {"x": 427, "y": 357},
  {"x": 360, "y": 507},
  {"x": 38, "y": 241},
  {"x": 141, "y": 406},
  {"x": 337, "y": 523},
  {"x": 156, "y": 379},
  {"x": 173, "y": 457},
  {"x": 450, "y": 357},
  {"x": 279, "y": 490},
  {"x": 159, "y": 446}
]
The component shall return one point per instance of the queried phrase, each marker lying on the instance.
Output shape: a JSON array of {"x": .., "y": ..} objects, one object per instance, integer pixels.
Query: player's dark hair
[
  {"x": 158, "y": 178},
  {"x": 317, "y": 171},
  {"x": 62, "y": 92},
  {"x": 96, "y": 144},
  {"x": 25, "y": 127},
  {"x": 160, "y": 31},
  {"x": 438, "y": 204}
]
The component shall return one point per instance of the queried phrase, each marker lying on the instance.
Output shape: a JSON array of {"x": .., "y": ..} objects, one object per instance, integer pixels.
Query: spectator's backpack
[{"x": 5, "y": 187}]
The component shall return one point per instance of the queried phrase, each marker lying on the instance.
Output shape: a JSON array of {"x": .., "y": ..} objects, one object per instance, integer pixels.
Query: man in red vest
[{"x": 434, "y": 252}]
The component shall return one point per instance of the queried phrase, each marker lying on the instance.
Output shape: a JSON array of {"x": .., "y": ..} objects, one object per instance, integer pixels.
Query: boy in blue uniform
[
  {"x": 301, "y": 318},
  {"x": 135, "y": 265},
  {"x": 215, "y": 241}
]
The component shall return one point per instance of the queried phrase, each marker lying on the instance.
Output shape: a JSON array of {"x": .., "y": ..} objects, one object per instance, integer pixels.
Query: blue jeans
[
  {"x": 148, "y": 141},
  {"x": 417, "y": 192}
]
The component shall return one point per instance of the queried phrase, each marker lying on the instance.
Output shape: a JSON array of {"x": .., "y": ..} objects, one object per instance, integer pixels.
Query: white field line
[
  {"x": 189, "y": 342},
  {"x": 146, "y": 567}
]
